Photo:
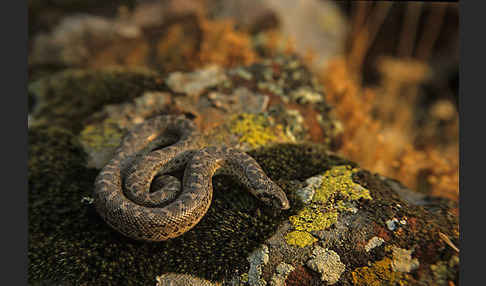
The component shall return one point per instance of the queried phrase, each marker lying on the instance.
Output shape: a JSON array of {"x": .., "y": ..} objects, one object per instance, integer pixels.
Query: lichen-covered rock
[
  {"x": 80, "y": 115},
  {"x": 227, "y": 109},
  {"x": 334, "y": 192}
]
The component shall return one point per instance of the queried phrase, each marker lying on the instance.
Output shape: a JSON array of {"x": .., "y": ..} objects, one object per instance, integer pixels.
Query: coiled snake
[{"x": 134, "y": 197}]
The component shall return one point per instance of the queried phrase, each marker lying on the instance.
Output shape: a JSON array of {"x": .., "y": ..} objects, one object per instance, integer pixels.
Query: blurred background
[{"x": 390, "y": 69}]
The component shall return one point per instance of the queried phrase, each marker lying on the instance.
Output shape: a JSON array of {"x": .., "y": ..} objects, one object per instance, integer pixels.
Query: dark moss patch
[
  {"x": 86, "y": 250},
  {"x": 69, "y": 243},
  {"x": 297, "y": 161},
  {"x": 67, "y": 98}
]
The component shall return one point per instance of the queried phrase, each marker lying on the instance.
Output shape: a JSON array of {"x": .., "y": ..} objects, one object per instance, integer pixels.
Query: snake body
[{"x": 134, "y": 197}]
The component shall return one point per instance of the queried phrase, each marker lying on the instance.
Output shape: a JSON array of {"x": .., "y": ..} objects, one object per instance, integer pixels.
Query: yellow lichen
[
  {"x": 326, "y": 205},
  {"x": 253, "y": 129},
  {"x": 338, "y": 180},
  {"x": 312, "y": 219},
  {"x": 300, "y": 238},
  {"x": 378, "y": 274}
]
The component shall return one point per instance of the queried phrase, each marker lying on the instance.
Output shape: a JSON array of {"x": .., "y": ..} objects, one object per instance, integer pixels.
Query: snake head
[{"x": 272, "y": 195}]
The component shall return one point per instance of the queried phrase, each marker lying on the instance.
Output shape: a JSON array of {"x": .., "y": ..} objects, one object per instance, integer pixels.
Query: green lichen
[
  {"x": 255, "y": 130},
  {"x": 300, "y": 238},
  {"x": 380, "y": 273}
]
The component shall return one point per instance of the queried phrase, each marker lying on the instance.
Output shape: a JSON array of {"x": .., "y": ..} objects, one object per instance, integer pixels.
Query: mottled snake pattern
[{"x": 134, "y": 195}]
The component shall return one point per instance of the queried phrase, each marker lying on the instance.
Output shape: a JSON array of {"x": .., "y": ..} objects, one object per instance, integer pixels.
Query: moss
[
  {"x": 68, "y": 242},
  {"x": 300, "y": 238},
  {"x": 67, "y": 98},
  {"x": 55, "y": 156},
  {"x": 254, "y": 130},
  {"x": 379, "y": 273},
  {"x": 296, "y": 161}
]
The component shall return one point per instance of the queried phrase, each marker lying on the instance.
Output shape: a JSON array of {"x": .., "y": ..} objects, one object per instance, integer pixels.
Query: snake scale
[{"x": 135, "y": 197}]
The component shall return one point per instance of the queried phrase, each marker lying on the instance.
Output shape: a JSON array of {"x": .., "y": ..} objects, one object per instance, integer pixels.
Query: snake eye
[
  {"x": 281, "y": 202},
  {"x": 275, "y": 198},
  {"x": 286, "y": 205}
]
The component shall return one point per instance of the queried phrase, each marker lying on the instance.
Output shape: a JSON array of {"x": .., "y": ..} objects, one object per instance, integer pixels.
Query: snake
[{"x": 135, "y": 194}]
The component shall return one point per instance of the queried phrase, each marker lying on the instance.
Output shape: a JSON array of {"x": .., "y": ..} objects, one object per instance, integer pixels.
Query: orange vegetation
[
  {"x": 385, "y": 145},
  {"x": 223, "y": 45}
]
